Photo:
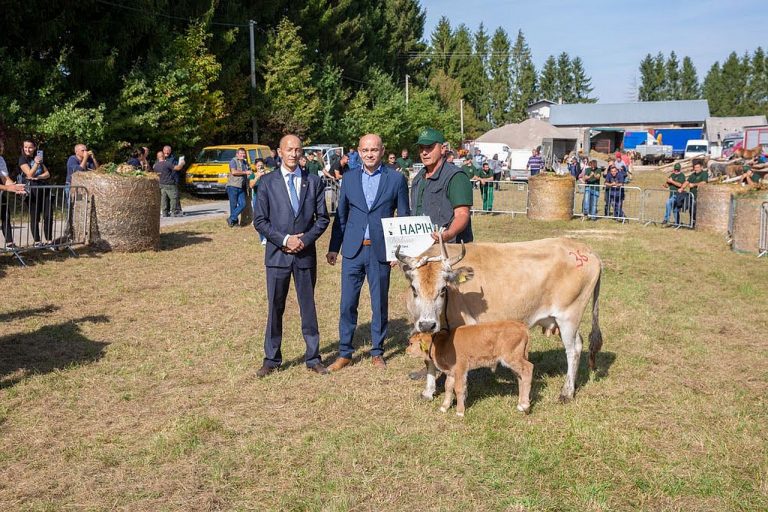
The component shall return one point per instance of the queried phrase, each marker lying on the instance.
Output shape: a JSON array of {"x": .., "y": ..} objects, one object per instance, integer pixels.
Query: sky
[{"x": 612, "y": 37}]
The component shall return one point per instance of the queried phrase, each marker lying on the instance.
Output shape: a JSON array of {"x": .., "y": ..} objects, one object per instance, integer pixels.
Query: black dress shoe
[
  {"x": 265, "y": 370},
  {"x": 318, "y": 368}
]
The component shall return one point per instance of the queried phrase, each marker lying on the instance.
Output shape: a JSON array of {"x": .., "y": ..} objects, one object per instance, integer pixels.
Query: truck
[
  {"x": 754, "y": 135},
  {"x": 696, "y": 148},
  {"x": 655, "y": 153},
  {"x": 677, "y": 138}
]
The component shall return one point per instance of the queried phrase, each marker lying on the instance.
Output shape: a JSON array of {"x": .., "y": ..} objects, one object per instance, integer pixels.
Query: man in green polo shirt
[
  {"x": 484, "y": 176},
  {"x": 698, "y": 177},
  {"x": 314, "y": 165},
  {"x": 442, "y": 190},
  {"x": 404, "y": 162},
  {"x": 675, "y": 184}
]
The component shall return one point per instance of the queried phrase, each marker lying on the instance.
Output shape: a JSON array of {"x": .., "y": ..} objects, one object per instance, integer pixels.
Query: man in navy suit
[
  {"x": 291, "y": 214},
  {"x": 367, "y": 195}
]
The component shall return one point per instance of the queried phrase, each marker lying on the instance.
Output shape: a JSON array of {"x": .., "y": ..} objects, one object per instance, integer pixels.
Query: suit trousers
[
  {"x": 354, "y": 271},
  {"x": 278, "y": 281}
]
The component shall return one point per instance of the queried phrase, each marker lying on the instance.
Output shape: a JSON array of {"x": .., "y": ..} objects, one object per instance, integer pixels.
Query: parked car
[
  {"x": 696, "y": 148},
  {"x": 208, "y": 174}
]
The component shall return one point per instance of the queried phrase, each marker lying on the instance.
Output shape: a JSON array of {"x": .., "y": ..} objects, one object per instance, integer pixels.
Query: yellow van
[{"x": 208, "y": 175}]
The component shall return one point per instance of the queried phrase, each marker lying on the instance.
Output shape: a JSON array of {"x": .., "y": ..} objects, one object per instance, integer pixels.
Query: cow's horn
[
  {"x": 406, "y": 260},
  {"x": 459, "y": 257},
  {"x": 443, "y": 249}
]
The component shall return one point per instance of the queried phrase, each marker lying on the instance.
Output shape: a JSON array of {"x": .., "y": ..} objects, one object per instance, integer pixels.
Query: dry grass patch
[{"x": 127, "y": 382}]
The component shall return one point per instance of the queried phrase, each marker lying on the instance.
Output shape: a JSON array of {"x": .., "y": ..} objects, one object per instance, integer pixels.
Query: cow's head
[{"x": 430, "y": 277}]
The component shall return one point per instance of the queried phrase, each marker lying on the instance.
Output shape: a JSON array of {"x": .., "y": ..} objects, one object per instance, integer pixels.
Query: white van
[{"x": 696, "y": 148}]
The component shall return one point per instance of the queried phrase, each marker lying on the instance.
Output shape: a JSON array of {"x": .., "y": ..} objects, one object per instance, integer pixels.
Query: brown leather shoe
[
  {"x": 265, "y": 370},
  {"x": 340, "y": 363},
  {"x": 318, "y": 368},
  {"x": 379, "y": 362}
]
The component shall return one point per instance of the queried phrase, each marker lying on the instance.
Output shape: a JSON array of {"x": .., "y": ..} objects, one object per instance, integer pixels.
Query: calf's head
[
  {"x": 418, "y": 345},
  {"x": 430, "y": 277}
]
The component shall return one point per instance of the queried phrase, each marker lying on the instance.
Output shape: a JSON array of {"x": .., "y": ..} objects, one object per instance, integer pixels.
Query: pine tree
[
  {"x": 500, "y": 81},
  {"x": 404, "y": 23},
  {"x": 689, "y": 82},
  {"x": 582, "y": 84},
  {"x": 757, "y": 89},
  {"x": 523, "y": 79},
  {"x": 672, "y": 85},
  {"x": 478, "y": 90},
  {"x": 733, "y": 77},
  {"x": 564, "y": 78},
  {"x": 333, "y": 97},
  {"x": 713, "y": 91},
  {"x": 660, "y": 75},
  {"x": 460, "y": 60},
  {"x": 441, "y": 46},
  {"x": 548, "y": 80},
  {"x": 290, "y": 98},
  {"x": 651, "y": 78}
]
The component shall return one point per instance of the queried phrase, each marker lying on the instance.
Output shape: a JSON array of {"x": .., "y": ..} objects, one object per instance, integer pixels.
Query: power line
[{"x": 169, "y": 16}]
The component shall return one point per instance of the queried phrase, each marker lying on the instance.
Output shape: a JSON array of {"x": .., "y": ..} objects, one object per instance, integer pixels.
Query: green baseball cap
[
  {"x": 677, "y": 167},
  {"x": 429, "y": 136}
]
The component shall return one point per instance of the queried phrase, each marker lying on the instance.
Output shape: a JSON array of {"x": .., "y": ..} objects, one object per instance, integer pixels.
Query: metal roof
[{"x": 641, "y": 112}]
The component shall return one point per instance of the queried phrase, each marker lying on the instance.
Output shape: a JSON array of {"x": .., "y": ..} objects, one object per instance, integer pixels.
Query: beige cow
[
  {"x": 476, "y": 346},
  {"x": 542, "y": 282}
]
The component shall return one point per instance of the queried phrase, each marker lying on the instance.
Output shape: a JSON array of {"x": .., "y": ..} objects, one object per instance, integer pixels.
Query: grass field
[{"x": 127, "y": 382}]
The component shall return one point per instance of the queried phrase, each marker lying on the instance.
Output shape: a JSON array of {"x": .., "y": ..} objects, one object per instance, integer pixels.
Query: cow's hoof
[
  {"x": 443, "y": 408},
  {"x": 460, "y": 414},
  {"x": 564, "y": 399},
  {"x": 425, "y": 396},
  {"x": 523, "y": 408}
]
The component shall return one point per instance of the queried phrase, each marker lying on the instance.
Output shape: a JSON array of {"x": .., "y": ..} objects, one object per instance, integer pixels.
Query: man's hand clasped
[{"x": 294, "y": 244}]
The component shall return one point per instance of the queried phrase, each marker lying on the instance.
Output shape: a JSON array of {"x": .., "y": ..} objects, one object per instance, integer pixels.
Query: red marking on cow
[{"x": 580, "y": 258}]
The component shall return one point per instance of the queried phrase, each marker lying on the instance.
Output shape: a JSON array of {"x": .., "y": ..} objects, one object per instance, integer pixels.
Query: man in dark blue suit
[
  {"x": 367, "y": 195},
  {"x": 291, "y": 214}
]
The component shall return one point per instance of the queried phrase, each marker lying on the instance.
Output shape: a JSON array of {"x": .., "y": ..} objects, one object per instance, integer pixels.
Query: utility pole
[
  {"x": 407, "y": 77},
  {"x": 461, "y": 109},
  {"x": 252, "y": 25}
]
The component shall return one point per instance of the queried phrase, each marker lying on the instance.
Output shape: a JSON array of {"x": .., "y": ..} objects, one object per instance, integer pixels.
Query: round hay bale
[
  {"x": 746, "y": 220},
  {"x": 550, "y": 197},
  {"x": 713, "y": 206},
  {"x": 124, "y": 211}
]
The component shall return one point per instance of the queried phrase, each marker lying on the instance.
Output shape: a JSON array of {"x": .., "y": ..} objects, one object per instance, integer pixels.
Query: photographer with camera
[
  {"x": 34, "y": 175},
  {"x": 82, "y": 160}
]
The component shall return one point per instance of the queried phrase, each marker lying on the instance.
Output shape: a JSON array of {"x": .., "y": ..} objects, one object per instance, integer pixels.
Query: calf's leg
[
  {"x": 524, "y": 371},
  {"x": 460, "y": 386},
  {"x": 448, "y": 399},
  {"x": 429, "y": 389}
]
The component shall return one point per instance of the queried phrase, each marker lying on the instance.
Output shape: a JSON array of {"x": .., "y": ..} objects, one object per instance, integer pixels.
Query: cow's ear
[{"x": 461, "y": 275}]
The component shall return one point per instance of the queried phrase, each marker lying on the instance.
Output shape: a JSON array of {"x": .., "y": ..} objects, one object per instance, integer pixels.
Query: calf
[{"x": 475, "y": 346}]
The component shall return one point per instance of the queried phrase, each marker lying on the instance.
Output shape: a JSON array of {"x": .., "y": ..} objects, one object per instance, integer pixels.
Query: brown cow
[
  {"x": 542, "y": 282},
  {"x": 476, "y": 346}
]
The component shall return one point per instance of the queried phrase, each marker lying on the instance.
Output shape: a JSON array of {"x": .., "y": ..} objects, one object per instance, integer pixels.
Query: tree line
[
  {"x": 738, "y": 87},
  {"x": 112, "y": 73}
]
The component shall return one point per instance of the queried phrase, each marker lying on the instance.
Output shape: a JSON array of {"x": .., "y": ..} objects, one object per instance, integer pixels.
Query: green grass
[{"x": 127, "y": 381}]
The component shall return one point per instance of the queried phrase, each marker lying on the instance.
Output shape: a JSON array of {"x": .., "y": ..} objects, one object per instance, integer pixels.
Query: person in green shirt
[
  {"x": 590, "y": 176},
  {"x": 405, "y": 163},
  {"x": 750, "y": 177},
  {"x": 258, "y": 171},
  {"x": 314, "y": 166},
  {"x": 484, "y": 176},
  {"x": 698, "y": 177},
  {"x": 468, "y": 167},
  {"x": 675, "y": 184}
]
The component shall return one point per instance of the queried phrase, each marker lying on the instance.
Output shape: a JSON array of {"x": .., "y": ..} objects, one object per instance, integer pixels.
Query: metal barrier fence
[
  {"x": 500, "y": 197},
  {"x": 331, "y": 194},
  {"x": 762, "y": 247},
  {"x": 42, "y": 219},
  {"x": 601, "y": 202},
  {"x": 677, "y": 210}
]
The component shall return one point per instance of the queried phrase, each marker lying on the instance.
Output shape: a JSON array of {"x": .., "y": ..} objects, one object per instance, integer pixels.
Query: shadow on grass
[
  {"x": 34, "y": 257},
  {"x": 395, "y": 343},
  {"x": 24, "y": 313},
  {"x": 50, "y": 348},
  {"x": 484, "y": 382},
  {"x": 178, "y": 239}
]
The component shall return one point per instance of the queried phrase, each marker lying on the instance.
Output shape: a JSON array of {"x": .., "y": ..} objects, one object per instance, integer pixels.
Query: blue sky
[{"x": 612, "y": 37}]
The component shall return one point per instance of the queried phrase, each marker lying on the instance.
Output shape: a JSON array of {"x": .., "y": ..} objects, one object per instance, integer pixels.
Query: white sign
[{"x": 412, "y": 234}]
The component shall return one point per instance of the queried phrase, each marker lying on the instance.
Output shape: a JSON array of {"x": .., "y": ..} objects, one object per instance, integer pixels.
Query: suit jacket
[
  {"x": 353, "y": 214},
  {"x": 273, "y": 217}
]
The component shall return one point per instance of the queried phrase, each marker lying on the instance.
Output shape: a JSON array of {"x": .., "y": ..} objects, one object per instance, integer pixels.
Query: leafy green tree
[
  {"x": 548, "y": 80},
  {"x": 333, "y": 98},
  {"x": 689, "y": 81},
  {"x": 292, "y": 104},
  {"x": 582, "y": 84},
  {"x": 523, "y": 79},
  {"x": 500, "y": 79}
]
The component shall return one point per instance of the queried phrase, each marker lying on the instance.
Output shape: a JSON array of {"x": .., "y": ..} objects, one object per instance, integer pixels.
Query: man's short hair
[
  {"x": 241, "y": 149},
  {"x": 698, "y": 162}
]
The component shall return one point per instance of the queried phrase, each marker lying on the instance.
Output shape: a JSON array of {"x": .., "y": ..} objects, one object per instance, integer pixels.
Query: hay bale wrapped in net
[
  {"x": 124, "y": 209},
  {"x": 746, "y": 220},
  {"x": 713, "y": 206},
  {"x": 550, "y": 197}
]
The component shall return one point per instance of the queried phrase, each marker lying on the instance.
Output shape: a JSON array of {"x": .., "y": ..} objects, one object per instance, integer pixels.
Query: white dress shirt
[{"x": 286, "y": 172}]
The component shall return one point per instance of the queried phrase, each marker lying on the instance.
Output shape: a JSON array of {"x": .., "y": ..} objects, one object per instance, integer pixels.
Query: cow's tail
[{"x": 595, "y": 336}]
